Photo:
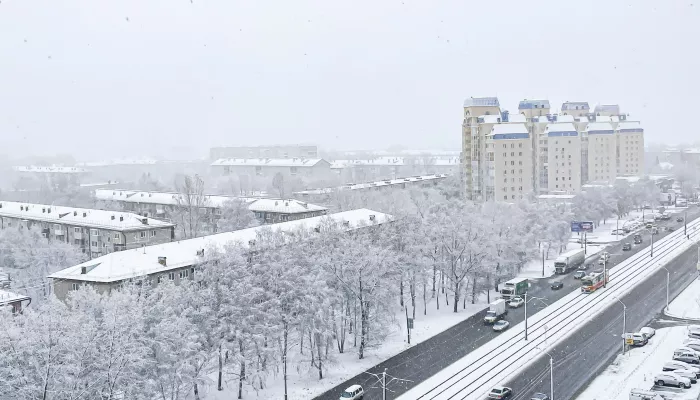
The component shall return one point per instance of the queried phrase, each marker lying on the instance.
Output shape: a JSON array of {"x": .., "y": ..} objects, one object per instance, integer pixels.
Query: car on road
[
  {"x": 516, "y": 302},
  {"x": 500, "y": 393},
  {"x": 579, "y": 274},
  {"x": 627, "y": 247},
  {"x": 618, "y": 232},
  {"x": 557, "y": 285},
  {"x": 671, "y": 379},
  {"x": 671, "y": 229},
  {"x": 501, "y": 325},
  {"x": 637, "y": 239},
  {"x": 354, "y": 392},
  {"x": 539, "y": 396},
  {"x": 654, "y": 231},
  {"x": 648, "y": 332},
  {"x": 679, "y": 219}
]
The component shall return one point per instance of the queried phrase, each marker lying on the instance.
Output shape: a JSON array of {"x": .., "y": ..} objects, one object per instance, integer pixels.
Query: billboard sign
[{"x": 581, "y": 226}]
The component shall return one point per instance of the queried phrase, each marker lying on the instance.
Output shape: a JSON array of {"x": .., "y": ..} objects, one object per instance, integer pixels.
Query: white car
[
  {"x": 671, "y": 379},
  {"x": 516, "y": 302},
  {"x": 693, "y": 344},
  {"x": 501, "y": 325},
  {"x": 687, "y": 374},
  {"x": 354, "y": 392},
  {"x": 648, "y": 332},
  {"x": 675, "y": 364}
]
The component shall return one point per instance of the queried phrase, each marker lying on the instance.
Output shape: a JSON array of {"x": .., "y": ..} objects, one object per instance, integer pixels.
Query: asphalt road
[
  {"x": 429, "y": 357},
  {"x": 582, "y": 356}
]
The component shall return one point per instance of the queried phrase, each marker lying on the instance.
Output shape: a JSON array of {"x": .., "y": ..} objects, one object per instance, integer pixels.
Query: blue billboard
[{"x": 581, "y": 226}]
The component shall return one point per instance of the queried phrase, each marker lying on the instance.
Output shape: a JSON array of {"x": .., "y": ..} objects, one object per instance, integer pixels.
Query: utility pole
[
  {"x": 652, "y": 243},
  {"x": 381, "y": 379},
  {"x": 685, "y": 223},
  {"x": 668, "y": 280},
  {"x": 525, "y": 315},
  {"x": 543, "y": 263},
  {"x": 605, "y": 272},
  {"x": 624, "y": 324}
]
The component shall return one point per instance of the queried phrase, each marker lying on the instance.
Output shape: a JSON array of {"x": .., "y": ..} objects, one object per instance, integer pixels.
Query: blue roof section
[
  {"x": 630, "y": 127},
  {"x": 562, "y": 129},
  {"x": 482, "y": 102},
  {"x": 532, "y": 104},
  {"x": 509, "y": 131},
  {"x": 600, "y": 128},
  {"x": 511, "y": 136},
  {"x": 575, "y": 105}
]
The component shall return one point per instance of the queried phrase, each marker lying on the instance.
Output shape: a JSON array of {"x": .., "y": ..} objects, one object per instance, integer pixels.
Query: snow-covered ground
[
  {"x": 687, "y": 304},
  {"x": 636, "y": 369},
  {"x": 304, "y": 384},
  {"x": 533, "y": 269}
]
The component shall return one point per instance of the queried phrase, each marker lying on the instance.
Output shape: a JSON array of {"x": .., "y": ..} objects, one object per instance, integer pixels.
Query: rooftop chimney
[
  {"x": 145, "y": 221},
  {"x": 75, "y": 213},
  {"x": 112, "y": 217},
  {"x": 121, "y": 218},
  {"x": 163, "y": 261},
  {"x": 43, "y": 210},
  {"x": 372, "y": 217},
  {"x": 49, "y": 210},
  {"x": 84, "y": 214}
]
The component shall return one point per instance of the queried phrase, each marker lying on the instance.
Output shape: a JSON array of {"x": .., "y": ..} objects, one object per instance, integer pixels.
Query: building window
[
  {"x": 171, "y": 276},
  {"x": 76, "y": 230},
  {"x": 520, "y": 153},
  {"x": 93, "y": 243},
  {"x": 160, "y": 278},
  {"x": 512, "y": 154},
  {"x": 117, "y": 238},
  {"x": 153, "y": 233},
  {"x": 143, "y": 234},
  {"x": 184, "y": 274},
  {"x": 505, "y": 197},
  {"x": 75, "y": 286},
  {"x": 76, "y": 241},
  {"x": 192, "y": 271},
  {"x": 94, "y": 232}
]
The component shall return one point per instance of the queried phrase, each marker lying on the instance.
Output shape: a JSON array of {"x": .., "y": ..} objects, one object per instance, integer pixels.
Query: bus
[{"x": 594, "y": 281}]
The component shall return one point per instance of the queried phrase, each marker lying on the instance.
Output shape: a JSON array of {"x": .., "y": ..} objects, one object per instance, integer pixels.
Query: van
[
  {"x": 640, "y": 394},
  {"x": 354, "y": 392}
]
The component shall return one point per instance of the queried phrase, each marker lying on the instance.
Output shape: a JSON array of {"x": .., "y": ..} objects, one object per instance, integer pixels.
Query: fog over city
[
  {"x": 172, "y": 78},
  {"x": 363, "y": 200}
]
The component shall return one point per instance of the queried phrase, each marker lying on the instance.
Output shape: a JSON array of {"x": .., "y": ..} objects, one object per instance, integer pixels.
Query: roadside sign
[
  {"x": 410, "y": 323},
  {"x": 581, "y": 226},
  {"x": 628, "y": 338}
]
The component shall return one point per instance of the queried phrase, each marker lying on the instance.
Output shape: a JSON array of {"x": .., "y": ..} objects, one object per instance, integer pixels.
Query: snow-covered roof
[
  {"x": 144, "y": 261},
  {"x": 49, "y": 170},
  {"x": 108, "y": 183},
  {"x": 268, "y": 162},
  {"x": 396, "y": 162},
  {"x": 98, "y": 219},
  {"x": 490, "y": 119},
  {"x": 164, "y": 198},
  {"x": 599, "y": 128},
  {"x": 565, "y": 118},
  {"x": 613, "y": 109},
  {"x": 482, "y": 102},
  {"x": 630, "y": 179},
  {"x": 124, "y": 161},
  {"x": 516, "y": 118},
  {"x": 7, "y": 297},
  {"x": 509, "y": 131},
  {"x": 582, "y": 118},
  {"x": 286, "y": 206},
  {"x": 556, "y": 196},
  {"x": 369, "y": 185},
  {"x": 603, "y": 118},
  {"x": 542, "y": 118},
  {"x": 561, "y": 129},
  {"x": 630, "y": 127},
  {"x": 665, "y": 166}
]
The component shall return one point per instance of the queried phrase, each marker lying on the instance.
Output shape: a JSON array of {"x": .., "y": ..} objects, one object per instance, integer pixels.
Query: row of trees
[{"x": 254, "y": 315}]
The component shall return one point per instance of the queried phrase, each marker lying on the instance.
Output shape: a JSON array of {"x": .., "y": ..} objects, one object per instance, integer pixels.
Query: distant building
[
  {"x": 177, "y": 261},
  {"x": 272, "y": 211},
  {"x": 269, "y": 167},
  {"x": 281, "y": 151},
  {"x": 16, "y": 302},
  {"x": 96, "y": 232},
  {"x": 508, "y": 163},
  {"x": 325, "y": 194},
  {"x": 602, "y": 152},
  {"x": 394, "y": 167}
]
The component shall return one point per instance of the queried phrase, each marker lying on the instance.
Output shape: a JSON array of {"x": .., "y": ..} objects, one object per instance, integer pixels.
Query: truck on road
[
  {"x": 497, "y": 310},
  {"x": 569, "y": 261},
  {"x": 514, "y": 287}
]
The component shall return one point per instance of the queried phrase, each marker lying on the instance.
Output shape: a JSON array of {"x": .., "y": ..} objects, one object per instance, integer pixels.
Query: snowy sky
[{"x": 174, "y": 77}]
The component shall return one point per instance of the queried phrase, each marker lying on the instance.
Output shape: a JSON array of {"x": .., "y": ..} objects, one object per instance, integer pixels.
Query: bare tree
[{"x": 193, "y": 212}]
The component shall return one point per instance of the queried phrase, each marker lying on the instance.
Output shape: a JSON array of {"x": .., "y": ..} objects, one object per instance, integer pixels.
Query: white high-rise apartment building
[
  {"x": 509, "y": 162},
  {"x": 565, "y": 150}
]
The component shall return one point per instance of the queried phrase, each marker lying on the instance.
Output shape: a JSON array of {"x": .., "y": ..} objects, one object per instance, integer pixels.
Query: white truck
[
  {"x": 569, "y": 261},
  {"x": 497, "y": 310},
  {"x": 514, "y": 287}
]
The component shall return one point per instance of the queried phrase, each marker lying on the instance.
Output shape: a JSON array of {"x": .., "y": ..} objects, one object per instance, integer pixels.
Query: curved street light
[
  {"x": 551, "y": 373},
  {"x": 624, "y": 323}
]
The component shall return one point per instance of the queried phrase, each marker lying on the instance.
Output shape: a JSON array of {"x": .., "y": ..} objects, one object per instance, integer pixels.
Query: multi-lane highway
[{"x": 428, "y": 358}]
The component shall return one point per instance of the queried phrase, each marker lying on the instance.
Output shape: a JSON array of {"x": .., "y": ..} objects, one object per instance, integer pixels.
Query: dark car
[
  {"x": 557, "y": 285},
  {"x": 585, "y": 267},
  {"x": 671, "y": 229},
  {"x": 579, "y": 274},
  {"x": 627, "y": 247},
  {"x": 637, "y": 239},
  {"x": 539, "y": 396},
  {"x": 679, "y": 219}
]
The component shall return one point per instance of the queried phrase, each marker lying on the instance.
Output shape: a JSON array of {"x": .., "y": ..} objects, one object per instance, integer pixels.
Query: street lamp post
[
  {"x": 525, "y": 315},
  {"x": 668, "y": 280},
  {"x": 685, "y": 223},
  {"x": 652, "y": 242},
  {"x": 624, "y": 323},
  {"x": 605, "y": 272}
]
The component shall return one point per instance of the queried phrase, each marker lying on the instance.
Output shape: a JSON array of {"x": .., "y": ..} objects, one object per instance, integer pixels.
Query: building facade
[
  {"x": 602, "y": 153},
  {"x": 561, "y": 159},
  {"x": 96, "y": 232},
  {"x": 509, "y": 163},
  {"x": 272, "y": 211},
  {"x": 474, "y": 134},
  {"x": 630, "y": 149},
  {"x": 267, "y": 167}
]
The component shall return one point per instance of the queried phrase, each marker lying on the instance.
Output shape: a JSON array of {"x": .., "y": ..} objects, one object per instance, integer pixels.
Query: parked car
[
  {"x": 671, "y": 379},
  {"x": 618, "y": 232},
  {"x": 500, "y": 393},
  {"x": 354, "y": 392},
  {"x": 692, "y": 344},
  {"x": 516, "y": 302},
  {"x": 627, "y": 247},
  {"x": 679, "y": 219},
  {"x": 671, "y": 229},
  {"x": 501, "y": 325},
  {"x": 675, "y": 364},
  {"x": 689, "y": 357},
  {"x": 539, "y": 396},
  {"x": 687, "y": 374},
  {"x": 579, "y": 274},
  {"x": 638, "y": 340},
  {"x": 648, "y": 332},
  {"x": 557, "y": 285}
]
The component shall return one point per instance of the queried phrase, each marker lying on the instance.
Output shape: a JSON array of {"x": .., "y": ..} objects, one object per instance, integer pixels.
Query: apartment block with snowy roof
[
  {"x": 508, "y": 163},
  {"x": 14, "y": 301},
  {"x": 630, "y": 149},
  {"x": 269, "y": 167},
  {"x": 96, "y": 232},
  {"x": 177, "y": 261}
]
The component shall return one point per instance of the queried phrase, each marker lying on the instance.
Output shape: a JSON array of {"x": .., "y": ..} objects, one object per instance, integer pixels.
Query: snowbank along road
[{"x": 493, "y": 363}]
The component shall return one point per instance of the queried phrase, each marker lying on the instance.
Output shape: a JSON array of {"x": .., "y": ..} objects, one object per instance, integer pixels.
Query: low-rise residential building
[
  {"x": 96, "y": 232},
  {"x": 16, "y": 302},
  {"x": 394, "y": 167},
  {"x": 269, "y": 167},
  {"x": 325, "y": 194},
  {"x": 277, "y": 151},
  {"x": 272, "y": 211},
  {"x": 177, "y": 261}
]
